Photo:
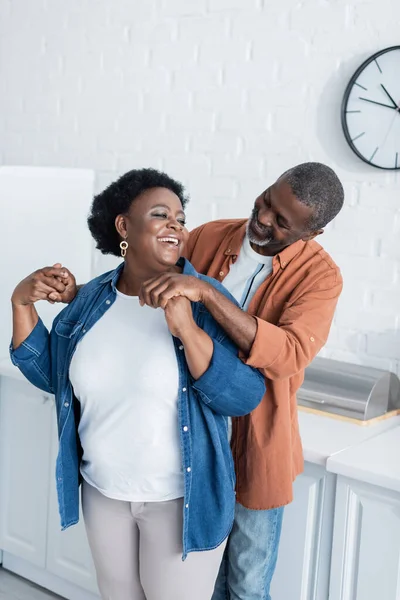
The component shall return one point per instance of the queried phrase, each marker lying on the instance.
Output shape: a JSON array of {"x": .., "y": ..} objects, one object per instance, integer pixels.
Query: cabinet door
[
  {"x": 366, "y": 543},
  {"x": 68, "y": 553},
  {"x": 302, "y": 571},
  {"x": 25, "y": 414}
]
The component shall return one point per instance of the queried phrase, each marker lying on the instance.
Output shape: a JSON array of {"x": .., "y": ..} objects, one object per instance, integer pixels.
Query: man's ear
[{"x": 312, "y": 234}]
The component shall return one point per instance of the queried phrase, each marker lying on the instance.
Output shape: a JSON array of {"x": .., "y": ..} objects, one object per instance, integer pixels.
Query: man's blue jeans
[{"x": 250, "y": 556}]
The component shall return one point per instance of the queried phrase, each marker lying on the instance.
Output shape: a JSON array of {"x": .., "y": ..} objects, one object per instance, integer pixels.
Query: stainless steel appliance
[{"x": 350, "y": 390}]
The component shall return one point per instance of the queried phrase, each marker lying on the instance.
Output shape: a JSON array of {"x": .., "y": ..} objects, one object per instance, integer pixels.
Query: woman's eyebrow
[{"x": 166, "y": 207}]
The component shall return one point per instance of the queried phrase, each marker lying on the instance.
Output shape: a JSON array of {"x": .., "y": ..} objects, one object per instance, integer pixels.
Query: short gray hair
[{"x": 318, "y": 187}]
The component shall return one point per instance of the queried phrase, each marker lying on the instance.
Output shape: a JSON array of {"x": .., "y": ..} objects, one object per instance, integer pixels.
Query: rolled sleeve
[
  {"x": 33, "y": 358},
  {"x": 229, "y": 386},
  {"x": 32, "y": 347}
]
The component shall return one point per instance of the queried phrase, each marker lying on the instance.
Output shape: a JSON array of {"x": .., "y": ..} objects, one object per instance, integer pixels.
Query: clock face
[{"x": 371, "y": 110}]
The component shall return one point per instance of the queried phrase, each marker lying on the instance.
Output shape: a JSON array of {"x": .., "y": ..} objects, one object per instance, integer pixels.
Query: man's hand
[
  {"x": 54, "y": 284},
  {"x": 157, "y": 291}
]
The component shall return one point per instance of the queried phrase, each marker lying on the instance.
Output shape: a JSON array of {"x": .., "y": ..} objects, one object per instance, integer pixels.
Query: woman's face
[{"x": 155, "y": 229}]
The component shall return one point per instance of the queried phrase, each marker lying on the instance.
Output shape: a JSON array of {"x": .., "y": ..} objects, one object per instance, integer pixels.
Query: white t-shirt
[
  {"x": 125, "y": 374},
  {"x": 247, "y": 274}
]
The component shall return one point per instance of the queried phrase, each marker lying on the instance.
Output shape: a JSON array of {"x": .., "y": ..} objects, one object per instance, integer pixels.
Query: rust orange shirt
[{"x": 294, "y": 308}]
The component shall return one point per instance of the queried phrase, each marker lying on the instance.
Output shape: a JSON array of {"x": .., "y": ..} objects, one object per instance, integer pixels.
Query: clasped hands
[{"x": 173, "y": 292}]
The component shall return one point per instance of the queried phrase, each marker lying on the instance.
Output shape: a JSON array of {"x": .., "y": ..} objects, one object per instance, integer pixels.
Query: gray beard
[{"x": 255, "y": 241}]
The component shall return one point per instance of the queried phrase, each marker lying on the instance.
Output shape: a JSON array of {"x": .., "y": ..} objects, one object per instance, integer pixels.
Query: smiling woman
[
  {"x": 120, "y": 198},
  {"x": 142, "y": 398}
]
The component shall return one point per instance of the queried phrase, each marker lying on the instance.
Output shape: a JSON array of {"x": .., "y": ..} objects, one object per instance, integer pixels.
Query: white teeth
[{"x": 169, "y": 239}]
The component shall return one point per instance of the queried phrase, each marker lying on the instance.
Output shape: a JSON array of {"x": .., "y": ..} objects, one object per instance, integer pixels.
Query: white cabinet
[
  {"x": 30, "y": 535},
  {"x": 25, "y": 421},
  {"x": 302, "y": 571},
  {"x": 366, "y": 543},
  {"x": 68, "y": 553}
]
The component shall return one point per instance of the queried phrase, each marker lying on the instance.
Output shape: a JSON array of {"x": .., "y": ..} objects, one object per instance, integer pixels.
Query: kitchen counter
[
  {"x": 375, "y": 461},
  {"x": 324, "y": 437}
]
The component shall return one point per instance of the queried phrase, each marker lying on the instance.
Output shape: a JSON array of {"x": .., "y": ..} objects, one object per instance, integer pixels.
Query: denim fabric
[
  {"x": 228, "y": 387},
  {"x": 250, "y": 556}
]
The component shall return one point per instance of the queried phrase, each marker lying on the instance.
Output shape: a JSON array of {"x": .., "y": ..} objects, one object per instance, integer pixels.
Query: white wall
[{"x": 224, "y": 94}]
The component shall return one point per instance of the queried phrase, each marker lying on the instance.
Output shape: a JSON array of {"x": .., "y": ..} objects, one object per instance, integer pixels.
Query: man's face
[{"x": 278, "y": 220}]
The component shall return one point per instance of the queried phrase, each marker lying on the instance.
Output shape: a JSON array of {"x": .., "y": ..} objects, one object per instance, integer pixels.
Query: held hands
[
  {"x": 173, "y": 292},
  {"x": 158, "y": 291},
  {"x": 54, "y": 284}
]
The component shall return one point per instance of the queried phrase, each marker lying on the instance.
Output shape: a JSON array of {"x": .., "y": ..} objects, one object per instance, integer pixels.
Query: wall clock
[{"x": 371, "y": 110}]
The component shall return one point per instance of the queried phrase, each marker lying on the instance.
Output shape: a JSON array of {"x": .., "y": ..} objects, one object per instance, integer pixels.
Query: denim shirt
[{"x": 227, "y": 388}]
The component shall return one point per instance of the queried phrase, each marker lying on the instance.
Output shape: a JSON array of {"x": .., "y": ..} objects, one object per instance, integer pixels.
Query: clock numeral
[
  {"x": 374, "y": 152},
  {"x": 377, "y": 64},
  {"x": 353, "y": 111},
  {"x": 358, "y": 136},
  {"x": 397, "y": 161}
]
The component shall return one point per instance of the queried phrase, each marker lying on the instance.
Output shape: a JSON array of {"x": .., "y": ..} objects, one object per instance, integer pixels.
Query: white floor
[{"x": 15, "y": 588}]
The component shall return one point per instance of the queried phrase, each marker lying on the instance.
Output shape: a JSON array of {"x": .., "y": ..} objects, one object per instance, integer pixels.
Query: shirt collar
[{"x": 235, "y": 242}]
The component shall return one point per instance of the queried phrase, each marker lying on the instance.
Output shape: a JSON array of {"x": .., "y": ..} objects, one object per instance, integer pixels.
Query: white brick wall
[{"x": 224, "y": 94}]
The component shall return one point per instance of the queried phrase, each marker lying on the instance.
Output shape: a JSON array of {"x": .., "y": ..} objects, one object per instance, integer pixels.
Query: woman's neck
[{"x": 132, "y": 277}]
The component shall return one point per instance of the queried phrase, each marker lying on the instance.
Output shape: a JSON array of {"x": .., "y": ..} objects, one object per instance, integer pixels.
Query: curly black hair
[{"x": 116, "y": 200}]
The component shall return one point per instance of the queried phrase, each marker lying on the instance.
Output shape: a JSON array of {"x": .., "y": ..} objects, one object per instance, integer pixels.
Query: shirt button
[
  {"x": 66, "y": 404},
  {"x": 283, "y": 264},
  {"x": 188, "y": 469},
  {"x": 186, "y": 505},
  {"x": 186, "y": 428},
  {"x": 221, "y": 273},
  {"x": 183, "y": 389},
  {"x": 83, "y": 330},
  {"x": 180, "y": 347},
  {"x": 312, "y": 339},
  {"x": 229, "y": 249},
  {"x": 108, "y": 301}
]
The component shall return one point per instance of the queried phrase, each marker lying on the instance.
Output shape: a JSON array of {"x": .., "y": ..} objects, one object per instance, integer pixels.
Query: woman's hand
[
  {"x": 54, "y": 284},
  {"x": 179, "y": 317},
  {"x": 197, "y": 343},
  {"x": 159, "y": 290}
]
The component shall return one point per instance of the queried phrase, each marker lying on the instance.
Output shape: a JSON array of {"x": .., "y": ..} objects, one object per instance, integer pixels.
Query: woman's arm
[
  {"x": 30, "y": 350},
  {"x": 222, "y": 380},
  {"x": 198, "y": 346},
  {"x": 37, "y": 286},
  {"x": 25, "y": 319}
]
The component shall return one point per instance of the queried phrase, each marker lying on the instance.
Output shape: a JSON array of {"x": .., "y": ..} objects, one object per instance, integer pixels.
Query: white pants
[{"x": 137, "y": 550}]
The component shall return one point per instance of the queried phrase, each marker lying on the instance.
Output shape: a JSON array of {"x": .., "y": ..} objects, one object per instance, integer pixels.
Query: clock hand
[
  {"x": 388, "y": 131},
  {"x": 379, "y": 103},
  {"x": 388, "y": 95}
]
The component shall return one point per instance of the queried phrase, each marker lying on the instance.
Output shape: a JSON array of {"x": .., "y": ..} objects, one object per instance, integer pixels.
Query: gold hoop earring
[{"x": 123, "y": 245}]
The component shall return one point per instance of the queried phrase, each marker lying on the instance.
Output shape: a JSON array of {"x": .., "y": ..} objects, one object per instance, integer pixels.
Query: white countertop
[
  {"x": 375, "y": 461},
  {"x": 324, "y": 437}
]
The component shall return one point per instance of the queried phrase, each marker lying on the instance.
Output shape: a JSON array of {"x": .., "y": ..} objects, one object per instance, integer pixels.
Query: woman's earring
[{"x": 123, "y": 245}]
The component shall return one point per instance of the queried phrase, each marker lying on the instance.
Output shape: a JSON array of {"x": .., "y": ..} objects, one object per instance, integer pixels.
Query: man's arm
[
  {"x": 239, "y": 325},
  {"x": 280, "y": 350}
]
